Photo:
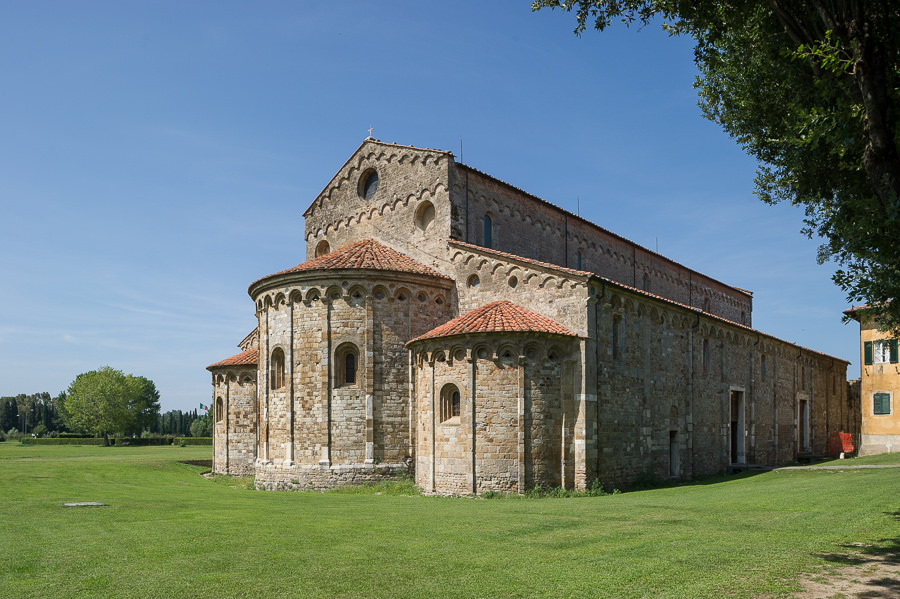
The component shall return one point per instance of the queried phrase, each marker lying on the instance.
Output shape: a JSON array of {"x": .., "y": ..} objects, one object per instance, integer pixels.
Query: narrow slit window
[
  {"x": 350, "y": 368},
  {"x": 346, "y": 361}
]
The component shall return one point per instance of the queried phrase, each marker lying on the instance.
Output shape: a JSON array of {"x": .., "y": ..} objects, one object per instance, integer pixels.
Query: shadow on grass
[
  {"x": 650, "y": 484},
  {"x": 882, "y": 551}
]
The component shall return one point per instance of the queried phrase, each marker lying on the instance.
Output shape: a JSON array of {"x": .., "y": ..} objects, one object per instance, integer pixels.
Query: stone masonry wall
[
  {"x": 681, "y": 395},
  {"x": 410, "y": 181},
  {"x": 482, "y": 277},
  {"x": 519, "y": 437},
  {"x": 234, "y": 448},
  {"x": 318, "y": 425}
]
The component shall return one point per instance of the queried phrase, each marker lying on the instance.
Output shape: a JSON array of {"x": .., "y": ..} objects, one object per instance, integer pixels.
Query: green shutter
[
  {"x": 867, "y": 351},
  {"x": 881, "y": 403},
  {"x": 893, "y": 343}
]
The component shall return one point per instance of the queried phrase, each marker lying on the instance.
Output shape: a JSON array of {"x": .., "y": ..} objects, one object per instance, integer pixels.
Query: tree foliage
[
  {"x": 35, "y": 413},
  {"x": 144, "y": 406},
  {"x": 202, "y": 426},
  {"x": 810, "y": 89},
  {"x": 107, "y": 401}
]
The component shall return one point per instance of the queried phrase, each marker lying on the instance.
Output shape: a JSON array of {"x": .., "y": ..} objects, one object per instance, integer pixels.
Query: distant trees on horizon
[{"x": 38, "y": 414}]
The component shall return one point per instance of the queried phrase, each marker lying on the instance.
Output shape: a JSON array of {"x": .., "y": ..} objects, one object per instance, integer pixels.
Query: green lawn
[{"x": 168, "y": 532}]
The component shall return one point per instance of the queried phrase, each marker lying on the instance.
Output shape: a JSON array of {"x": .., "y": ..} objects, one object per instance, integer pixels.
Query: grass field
[{"x": 169, "y": 532}]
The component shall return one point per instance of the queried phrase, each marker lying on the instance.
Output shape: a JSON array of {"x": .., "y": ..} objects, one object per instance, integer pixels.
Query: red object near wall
[{"x": 840, "y": 443}]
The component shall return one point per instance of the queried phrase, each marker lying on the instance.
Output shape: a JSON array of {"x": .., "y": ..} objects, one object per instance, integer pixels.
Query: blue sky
[{"x": 156, "y": 158}]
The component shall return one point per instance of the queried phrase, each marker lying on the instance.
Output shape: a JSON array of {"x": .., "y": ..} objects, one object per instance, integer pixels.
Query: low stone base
[
  {"x": 277, "y": 477},
  {"x": 239, "y": 469},
  {"x": 875, "y": 444}
]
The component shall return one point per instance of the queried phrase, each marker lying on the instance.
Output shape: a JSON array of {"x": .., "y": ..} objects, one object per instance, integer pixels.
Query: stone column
[
  {"x": 473, "y": 364},
  {"x": 434, "y": 418},
  {"x": 226, "y": 407},
  {"x": 266, "y": 366},
  {"x": 366, "y": 368},
  {"x": 289, "y": 372},
  {"x": 326, "y": 383},
  {"x": 521, "y": 424}
]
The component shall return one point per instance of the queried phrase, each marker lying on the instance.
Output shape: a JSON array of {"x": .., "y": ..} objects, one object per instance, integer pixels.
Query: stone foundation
[
  {"x": 875, "y": 444},
  {"x": 275, "y": 477}
]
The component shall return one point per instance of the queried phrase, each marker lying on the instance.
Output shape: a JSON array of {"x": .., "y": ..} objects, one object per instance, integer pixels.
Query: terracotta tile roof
[
  {"x": 247, "y": 358},
  {"x": 497, "y": 317},
  {"x": 367, "y": 254}
]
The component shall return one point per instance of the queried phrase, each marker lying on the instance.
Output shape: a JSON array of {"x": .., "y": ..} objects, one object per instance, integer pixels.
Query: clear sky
[{"x": 156, "y": 158}]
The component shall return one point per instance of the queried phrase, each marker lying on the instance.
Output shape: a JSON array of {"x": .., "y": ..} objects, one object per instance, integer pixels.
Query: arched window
[
  {"x": 346, "y": 360},
  {"x": 579, "y": 260},
  {"x": 276, "y": 371},
  {"x": 646, "y": 282},
  {"x": 488, "y": 231},
  {"x": 220, "y": 409},
  {"x": 618, "y": 338},
  {"x": 322, "y": 249},
  {"x": 762, "y": 368},
  {"x": 424, "y": 216},
  {"x": 450, "y": 402}
]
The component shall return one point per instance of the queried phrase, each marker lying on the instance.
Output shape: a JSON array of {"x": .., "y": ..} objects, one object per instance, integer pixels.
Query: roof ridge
[
  {"x": 547, "y": 265},
  {"x": 599, "y": 227},
  {"x": 245, "y": 358},
  {"x": 365, "y": 254},
  {"x": 500, "y": 316}
]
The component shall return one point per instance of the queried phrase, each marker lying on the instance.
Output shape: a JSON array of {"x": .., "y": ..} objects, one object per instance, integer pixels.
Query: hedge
[
  {"x": 124, "y": 441},
  {"x": 194, "y": 440},
  {"x": 62, "y": 441},
  {"x": 121, "y": 441}
]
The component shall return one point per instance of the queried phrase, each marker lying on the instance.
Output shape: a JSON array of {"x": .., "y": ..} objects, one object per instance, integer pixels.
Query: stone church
[{"x": 448, "y": 324}]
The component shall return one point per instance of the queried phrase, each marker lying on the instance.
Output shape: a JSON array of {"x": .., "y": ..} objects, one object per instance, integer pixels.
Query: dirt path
[{"x": 866, "y": 577}]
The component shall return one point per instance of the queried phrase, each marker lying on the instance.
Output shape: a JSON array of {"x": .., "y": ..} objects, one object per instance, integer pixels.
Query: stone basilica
[{"x": 448, "y": 324}]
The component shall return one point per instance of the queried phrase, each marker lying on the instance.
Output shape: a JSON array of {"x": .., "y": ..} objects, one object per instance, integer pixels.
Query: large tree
[
  {"x": 106, "y": 401},
  {"x": 811, "y": 89},
  {"x": 144, "y": 405}
]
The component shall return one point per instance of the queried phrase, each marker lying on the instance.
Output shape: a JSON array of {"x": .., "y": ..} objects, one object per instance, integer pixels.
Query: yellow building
[{"x": 879, "y": 386}]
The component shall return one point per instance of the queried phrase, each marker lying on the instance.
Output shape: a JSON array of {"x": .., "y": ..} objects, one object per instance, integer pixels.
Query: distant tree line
[
  {"x": 39, "y": 414},
  {"x": 176, "y": 422}
]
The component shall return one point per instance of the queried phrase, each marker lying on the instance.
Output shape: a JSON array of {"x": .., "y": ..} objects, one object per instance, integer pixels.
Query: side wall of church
[
  {"x": 681, "y": 395},
  {"x": 234, "y": 410},
  {"x": 410, "y": 211},
  {"x": 525, "y": 226}
]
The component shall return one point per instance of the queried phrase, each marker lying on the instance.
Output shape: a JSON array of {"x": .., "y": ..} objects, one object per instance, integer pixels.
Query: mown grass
[{"x": 167, "y": 531}]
